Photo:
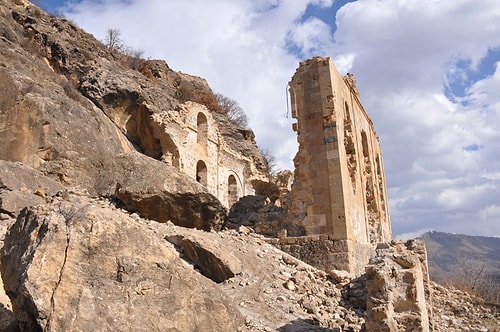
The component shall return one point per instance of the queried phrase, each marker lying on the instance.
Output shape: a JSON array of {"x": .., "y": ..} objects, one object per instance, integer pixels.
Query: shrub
[
  {"x": 232, "y": 109},
  {"x": 113, "y": 40}
]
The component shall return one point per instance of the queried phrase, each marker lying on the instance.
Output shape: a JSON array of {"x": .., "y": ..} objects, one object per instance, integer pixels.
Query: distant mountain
[{"x": 468, "y": 261}]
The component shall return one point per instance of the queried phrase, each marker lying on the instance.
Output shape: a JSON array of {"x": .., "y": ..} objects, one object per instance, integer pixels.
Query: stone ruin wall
[
  {"x": 399, "y": 294},
  {"x": 339, "y": 186},
  {"x": 197, "y": 149},
  {"x": 339, "y": 183},
  {"x": 327, "y": 253},
  {"x": 339, "y": 200}
]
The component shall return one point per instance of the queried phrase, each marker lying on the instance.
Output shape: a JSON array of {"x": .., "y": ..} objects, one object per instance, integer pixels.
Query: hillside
[{"x": 470, "y": 261}]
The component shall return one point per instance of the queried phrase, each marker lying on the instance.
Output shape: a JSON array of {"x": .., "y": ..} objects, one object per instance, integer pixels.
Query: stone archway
[
  {"x": 232, "y": 190},
  {"x": 202, "y": 132},
  {"x": 201, "y": 173}
]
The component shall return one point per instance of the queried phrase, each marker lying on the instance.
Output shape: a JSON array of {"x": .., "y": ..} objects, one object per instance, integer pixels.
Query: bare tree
[
  {"x": 232, "y": 109},
  {"x": 135, "y": 60},
  {"x": 472, "y": 276},
  {"x": 113, "y": 39},
  {"x": 269, "y": 160}
]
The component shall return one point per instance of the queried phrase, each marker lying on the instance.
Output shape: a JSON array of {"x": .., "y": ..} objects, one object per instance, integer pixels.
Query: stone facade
[
  {"x": 339, "y": 187},
  {"x": 198, "y": 149}
]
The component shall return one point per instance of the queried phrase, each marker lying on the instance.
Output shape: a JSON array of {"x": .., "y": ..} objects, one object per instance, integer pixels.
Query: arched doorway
[
  {"x": 201, "y": 173},
  {"x": 232, "y": 190}
]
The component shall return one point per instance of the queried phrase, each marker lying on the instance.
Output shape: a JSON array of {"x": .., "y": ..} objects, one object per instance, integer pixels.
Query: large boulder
[
  {"x": 162, "y": 193},
  {"x": 84, "y": 265}
]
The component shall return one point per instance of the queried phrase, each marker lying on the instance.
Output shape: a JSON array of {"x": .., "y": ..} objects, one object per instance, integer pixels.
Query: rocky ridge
[{"x": 77, "y": 94}]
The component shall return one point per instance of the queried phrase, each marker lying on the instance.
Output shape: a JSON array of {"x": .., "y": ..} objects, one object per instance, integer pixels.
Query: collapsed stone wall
[{"x": 399, "y": 290}]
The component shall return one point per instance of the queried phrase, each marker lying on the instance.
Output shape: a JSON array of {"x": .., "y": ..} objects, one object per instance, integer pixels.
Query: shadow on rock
[
  {"x": 306, "y": 325},
  {"x": 7, "y": 321}
]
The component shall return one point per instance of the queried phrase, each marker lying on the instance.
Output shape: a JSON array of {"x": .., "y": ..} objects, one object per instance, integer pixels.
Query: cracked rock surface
[{"x": 83, "y": 265}]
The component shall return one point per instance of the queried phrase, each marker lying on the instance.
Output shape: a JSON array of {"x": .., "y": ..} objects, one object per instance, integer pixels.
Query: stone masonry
[
  {"x": 339, "y": 188},
  {"x": 399, "y": 290},
  {"x": 198, "y": 149}
]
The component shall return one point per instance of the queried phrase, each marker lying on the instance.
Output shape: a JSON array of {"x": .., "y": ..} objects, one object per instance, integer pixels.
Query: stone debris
[{"x": 456, "y": 311}]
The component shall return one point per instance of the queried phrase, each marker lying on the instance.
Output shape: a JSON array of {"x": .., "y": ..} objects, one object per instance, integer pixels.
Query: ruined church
[
  {"x": 195, "y": 145},
  {"x": 339, "y": 197}
]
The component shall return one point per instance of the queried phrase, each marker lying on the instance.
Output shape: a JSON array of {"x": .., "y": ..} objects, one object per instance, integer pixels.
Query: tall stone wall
[{"x": 339, "y": 187}]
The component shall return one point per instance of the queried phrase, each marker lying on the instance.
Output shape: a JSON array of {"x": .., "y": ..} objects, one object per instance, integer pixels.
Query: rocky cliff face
[{"x": 78, "y": 113}]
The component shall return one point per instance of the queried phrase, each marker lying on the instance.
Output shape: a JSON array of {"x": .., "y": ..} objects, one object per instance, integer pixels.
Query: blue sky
[{"x": 427, "y": 71}]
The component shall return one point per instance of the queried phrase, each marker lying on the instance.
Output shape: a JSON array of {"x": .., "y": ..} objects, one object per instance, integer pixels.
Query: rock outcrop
[
  {"x": 85, "y": 265},
  {"x": 79, "y": 107},
  {"x": 22, "y": 186},
  {"x": 163, "y": 193}
]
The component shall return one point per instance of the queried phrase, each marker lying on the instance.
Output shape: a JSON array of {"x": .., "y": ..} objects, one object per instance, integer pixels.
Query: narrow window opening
[
  {"x": 232, "y": 190},
  {"x": 202, "y": 128},
  {"x": 201, "y": 173}
]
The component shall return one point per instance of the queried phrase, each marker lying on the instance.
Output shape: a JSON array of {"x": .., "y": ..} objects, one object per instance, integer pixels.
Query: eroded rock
[
  {"x": 84, "y": 265},
  {"x": 22, "y": 186},
  {"x": 163, "y": 194},
  {"x": 214, "y": 261}
]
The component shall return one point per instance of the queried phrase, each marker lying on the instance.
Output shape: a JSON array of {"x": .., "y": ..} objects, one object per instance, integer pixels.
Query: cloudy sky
[{"x": 428, "y": 72}]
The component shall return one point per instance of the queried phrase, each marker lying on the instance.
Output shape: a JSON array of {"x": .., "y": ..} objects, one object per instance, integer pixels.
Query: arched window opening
[
  {"x": 365, "y": 145},
  {"x": 202, "y": 128},
  {"x": 201, "y": 173},
  {"x": 232, "y": 190},
  {"x": 170, "y": 154}
]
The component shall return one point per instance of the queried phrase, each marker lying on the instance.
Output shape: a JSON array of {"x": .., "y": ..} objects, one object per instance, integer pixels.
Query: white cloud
[
  {"x": 312, "y": 36},
  {"x": 441, "y": 154},
  {"x": 489, "y": 212},
  {"x": 435, "y": 149}
]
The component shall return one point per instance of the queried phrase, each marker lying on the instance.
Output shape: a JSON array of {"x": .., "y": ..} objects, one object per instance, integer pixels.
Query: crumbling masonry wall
[
  {"x": 197, "y": 148},
  {"x": 339, "y": 184},
  {"x": 398, "y": 286},
  {"x": 327, "y": 253}
]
